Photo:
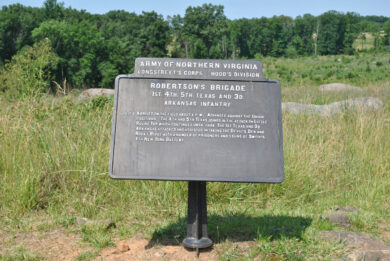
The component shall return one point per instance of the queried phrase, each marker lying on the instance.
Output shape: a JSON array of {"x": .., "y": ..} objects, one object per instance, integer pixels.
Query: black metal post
[{"x": 197, "y": 217}]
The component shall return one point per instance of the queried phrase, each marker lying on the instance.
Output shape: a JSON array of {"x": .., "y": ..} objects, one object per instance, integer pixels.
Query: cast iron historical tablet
[{"x": 197, "y": 120}]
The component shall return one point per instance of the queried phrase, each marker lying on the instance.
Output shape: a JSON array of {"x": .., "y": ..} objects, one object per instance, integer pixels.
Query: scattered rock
[
  {"x": 95, "y": 92},
  {"x": 123, "y": 247},
  {"x": 339, "y": 87},
  {"x": 345, "y": 209},
  {"x": 355, "y": 239},
  {"x": 106, "y": 223},
  {"x": 365, "y": 247},
  {"x": 339, "y": 219},
  {"x": 81, "y": 221},
  {"x": 368, "y": 103},
  {"x": 245, "y": 246},
  {"x": 369, "y": 255}
]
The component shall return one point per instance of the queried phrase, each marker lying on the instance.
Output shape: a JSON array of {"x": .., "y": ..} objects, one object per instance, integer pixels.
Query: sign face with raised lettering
[{"x": 197, "y": 120}]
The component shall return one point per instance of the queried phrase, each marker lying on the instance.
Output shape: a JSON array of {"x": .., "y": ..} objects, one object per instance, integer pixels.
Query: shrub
[
  {"x": 291, "y": 52},
  {"x": 100, "y": 102},
  {"x": 350, "y": 75},
  {"x": 27, "y": 74}
]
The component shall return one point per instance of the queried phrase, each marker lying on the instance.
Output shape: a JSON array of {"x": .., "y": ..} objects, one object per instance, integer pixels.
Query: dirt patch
[
  {"x": 60, "y": 245},
  {"x": 386, "y": 235},
  {"x": 138, "y": 249},
  {"x": 52, "y": 245}
]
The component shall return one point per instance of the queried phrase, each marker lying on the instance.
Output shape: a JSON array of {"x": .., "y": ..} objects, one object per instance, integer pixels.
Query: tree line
[{"x": 92, "y": 48}]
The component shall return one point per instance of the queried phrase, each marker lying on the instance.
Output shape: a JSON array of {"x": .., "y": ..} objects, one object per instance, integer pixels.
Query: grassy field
[{"x": 54, "y": 156}]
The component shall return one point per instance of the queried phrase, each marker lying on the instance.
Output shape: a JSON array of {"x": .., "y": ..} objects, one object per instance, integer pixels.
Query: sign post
[
  {"x": 197, "y": 217},
  {"x": 197, "y": 121}
]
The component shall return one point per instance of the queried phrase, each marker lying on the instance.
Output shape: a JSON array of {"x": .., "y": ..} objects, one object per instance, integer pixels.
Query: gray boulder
[
  {"x": 339, "y": 87},
  {"x": 339, "y": 219},
  {"x": 364, "y": 247},
  {"x": 367, "y": 103},
  {"x": 95, "y": 92},
  {"x": 345, "y": 209},
  {"x": 105, "y": 223}
]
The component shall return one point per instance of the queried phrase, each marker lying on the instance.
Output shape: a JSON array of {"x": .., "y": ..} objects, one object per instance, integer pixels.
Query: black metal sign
[{"x": 197, "y": 120}]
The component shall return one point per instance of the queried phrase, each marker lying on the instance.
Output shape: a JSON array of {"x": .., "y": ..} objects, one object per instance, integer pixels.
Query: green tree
[
  {"x": 93, "y": 48},
  {"x": 282, "y": 28},
  {"x": 304, "y": 28},
  {"x": 207, "y": 23},
  {"x": 128, "y": 36},
  {"x": 155, "y": 34},
  {"x": 121, "y": 31},
  {"x": 53, "y": 9},
  {"x": 330, "y": 33},
  {"x": 16, "y": 24},
  {"x": 240, "y": 31},
  {"x": 261, "y": 37},
  {"x": 199, "y": 49},
  {"x": 79, "y": 46},
  {"x": 297, "y": 45},
  {"x": 177, "y": 47},
  {"x": 351, "y": 31},
  {"x": 386, "y": 29}
]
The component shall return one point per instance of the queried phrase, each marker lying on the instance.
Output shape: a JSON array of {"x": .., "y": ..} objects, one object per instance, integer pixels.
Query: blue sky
[{"x": 233, "y": 8}]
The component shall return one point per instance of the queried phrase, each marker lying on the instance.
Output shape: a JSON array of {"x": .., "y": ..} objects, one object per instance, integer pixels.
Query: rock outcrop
[
  {"x": 95, "y": 92},
  {"x": 339, "y": 87},
  {"x": 364, "y": 247},
  {"x": 367, "y": 103}
]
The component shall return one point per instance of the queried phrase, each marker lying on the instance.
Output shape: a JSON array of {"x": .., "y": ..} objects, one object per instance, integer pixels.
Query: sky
[{"x": 234, "y": 9}]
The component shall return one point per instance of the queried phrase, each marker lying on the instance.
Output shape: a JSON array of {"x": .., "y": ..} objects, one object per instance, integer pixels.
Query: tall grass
[
  {"x": 55, "y": 155},
  {"x": 54, "y": 162}
]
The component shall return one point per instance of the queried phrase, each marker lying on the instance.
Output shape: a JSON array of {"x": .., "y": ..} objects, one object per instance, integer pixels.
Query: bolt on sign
[{"x": 197, "y": 120}]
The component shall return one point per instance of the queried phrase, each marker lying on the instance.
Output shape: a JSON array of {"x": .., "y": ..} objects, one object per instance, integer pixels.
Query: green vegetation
[
  {"x": 54, "y": 155},
  {"x": 27, "y": 73},
  {"x": 20, "y": 254},
  {"x": 54, "y": 150},
  {"x": 92, "y": 49}
]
